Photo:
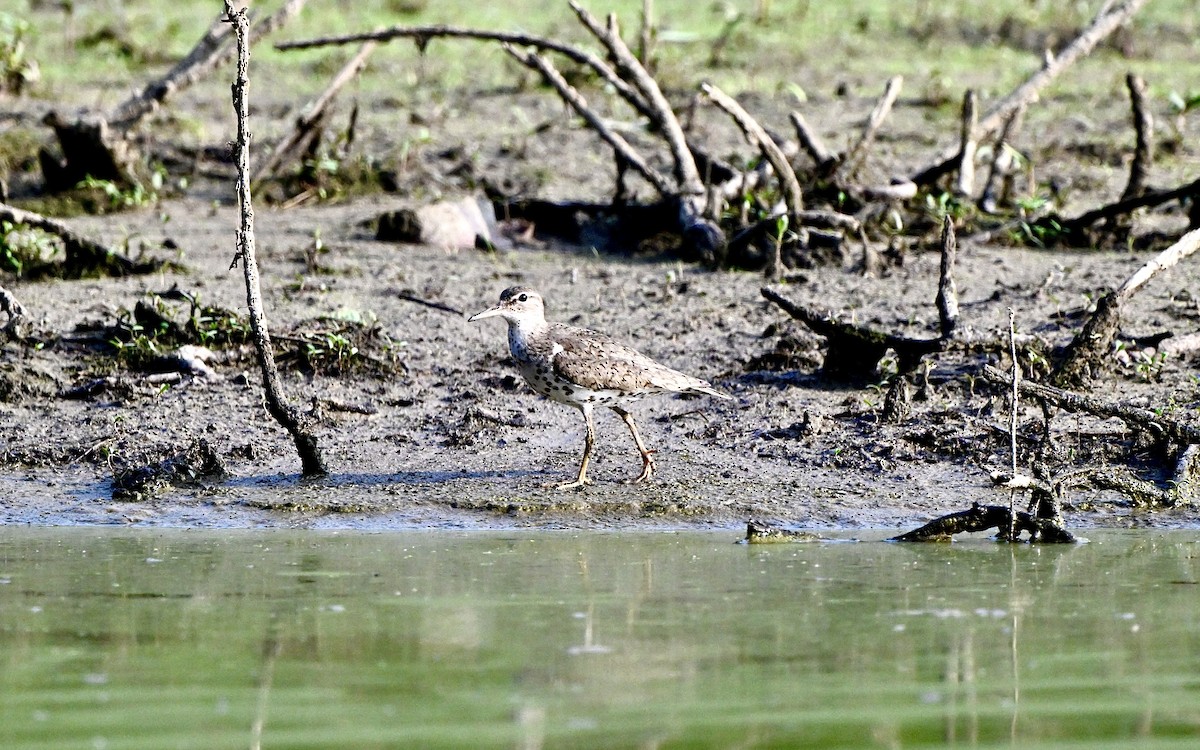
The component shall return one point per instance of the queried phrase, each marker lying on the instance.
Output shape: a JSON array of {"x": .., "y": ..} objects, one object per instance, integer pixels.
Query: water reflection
[{"x": 278, "y": 639}]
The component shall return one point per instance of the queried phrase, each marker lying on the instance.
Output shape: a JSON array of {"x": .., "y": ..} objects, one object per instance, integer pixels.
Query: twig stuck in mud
[
  {"x": 311, "y": 460},
  {"x": 874, "y": 122},
  {"x": 308, "y": 125},
  {"x": 1143, "y": 126},
  {"x": 947, "y": 294}
]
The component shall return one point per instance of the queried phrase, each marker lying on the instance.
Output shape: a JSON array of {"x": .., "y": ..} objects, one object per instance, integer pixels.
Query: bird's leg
[
  {"x": 647, "y": 454},
  {"x": 589, "y": 441}
]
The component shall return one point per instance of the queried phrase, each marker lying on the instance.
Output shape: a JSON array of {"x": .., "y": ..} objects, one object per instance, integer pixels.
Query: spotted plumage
[{"x": 584, "y": 369}]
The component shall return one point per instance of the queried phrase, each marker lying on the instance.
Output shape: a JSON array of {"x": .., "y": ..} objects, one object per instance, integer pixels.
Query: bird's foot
[{"x": 647, "y": 471}]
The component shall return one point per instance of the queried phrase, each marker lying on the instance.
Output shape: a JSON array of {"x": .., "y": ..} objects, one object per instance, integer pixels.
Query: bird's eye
[{"x": 523, "y": 298}]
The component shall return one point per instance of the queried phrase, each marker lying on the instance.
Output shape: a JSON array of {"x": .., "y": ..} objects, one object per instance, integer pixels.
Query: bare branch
[
  {"x": 661, "y": 113},
  {"x": 793, "y": 196},
  {"x": 579, "y": 104},
  {"x": 1110, "y": 18},
  {"x": 811, "y": 142},
  {"x": 307, "y": 122},
  {"x": 312, "y": 462},
  {"x": 882, "y": 108},
  {"x": 968, "y": 143},
  {"x": 947, "y": 295},
  {"x": 1143, "y": 125}
]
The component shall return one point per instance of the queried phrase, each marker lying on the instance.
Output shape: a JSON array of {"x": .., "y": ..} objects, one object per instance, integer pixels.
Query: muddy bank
[{"x": 453, "y": 438}]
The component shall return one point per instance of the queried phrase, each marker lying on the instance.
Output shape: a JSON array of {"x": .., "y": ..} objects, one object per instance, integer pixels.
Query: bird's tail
[{"x": 708, "y": 390}]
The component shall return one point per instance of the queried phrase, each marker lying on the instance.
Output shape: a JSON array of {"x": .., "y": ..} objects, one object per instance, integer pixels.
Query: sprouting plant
[
  {"x": 17, "y": 70},
  {"x": 22, "y": 247},
  {"x": 118, "y": 197}
]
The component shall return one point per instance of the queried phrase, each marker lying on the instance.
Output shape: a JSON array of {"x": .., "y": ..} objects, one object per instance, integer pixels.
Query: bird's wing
[{"x": 595, "y": 361}]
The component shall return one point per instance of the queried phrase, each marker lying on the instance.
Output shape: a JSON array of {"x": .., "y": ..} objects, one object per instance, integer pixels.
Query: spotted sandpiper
[{"x": 584, "y": 369}]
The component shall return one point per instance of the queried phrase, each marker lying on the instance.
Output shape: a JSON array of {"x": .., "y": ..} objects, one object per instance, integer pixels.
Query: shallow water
[{"x": 184, "y": 639}]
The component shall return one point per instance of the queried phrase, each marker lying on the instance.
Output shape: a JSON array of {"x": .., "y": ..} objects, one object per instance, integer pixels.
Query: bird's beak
[{"x": 490, "y": 313}]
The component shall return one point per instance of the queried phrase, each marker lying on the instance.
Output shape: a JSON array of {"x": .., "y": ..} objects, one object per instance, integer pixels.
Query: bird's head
[{"x": 519, "y": 305}]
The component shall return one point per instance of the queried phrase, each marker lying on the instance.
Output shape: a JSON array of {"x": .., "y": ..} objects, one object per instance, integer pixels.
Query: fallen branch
[
  {"x": 572, "y": 97},
  {"x": 99, "y": 146},
  {"x": 1087, "y": 354},
  {"x": 812, "y": 143},
  {"x": 1110, "y": 18},
  {"x": 311, "y": 460},
  {"x": 83, "y": 256},
  {"x": 793, "y": 196},
  {"x": 1157, "y": 423},
  {"x": 308, "y": 125}
]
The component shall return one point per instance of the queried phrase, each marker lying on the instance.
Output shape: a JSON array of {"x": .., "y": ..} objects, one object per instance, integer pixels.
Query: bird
[{"x": 584, "y": 369}]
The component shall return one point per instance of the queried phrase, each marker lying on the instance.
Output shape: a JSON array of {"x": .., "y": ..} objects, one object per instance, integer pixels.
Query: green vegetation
[
  {"x": 17, "y": 68},
  {"x": 23, "y": 247}
]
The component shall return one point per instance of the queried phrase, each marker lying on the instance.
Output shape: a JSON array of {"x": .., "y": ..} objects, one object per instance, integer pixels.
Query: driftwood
[
  {"x": 100, "y": 145},
  {"x": 308, "y": 125},
  {"x": 1089, "y": 352},
  {"x": 83, "y": 255},
  {"x": 1111, "y": 17},
  {"x": 1181, "y": 437},
  {"x": 984, "y": 517},
  {"x": 311, "y": 460}
]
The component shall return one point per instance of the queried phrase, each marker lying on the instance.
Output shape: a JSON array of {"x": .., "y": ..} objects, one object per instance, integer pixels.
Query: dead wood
[
  {"x": 1089, "y": 352},
  {"x": 83, "y": 256},
  {"x": 984, "y": 517},
  {"x": 571, "y": 96},
  {"x": 308, "y": 125},
  {"x": 793, "y": 196},
  {"x": 1000, "y": 172},
  {"x": 850, "y": 162},
  {"x": 854, "y": 351},
  {"x": 812, "y": 143},
  {"x": 947, "y": 294},
  {"x": 100, "y": 146},
  {"x": 1076, "y": 232},
  {"x": 311, "y": 459},
  {"x": 699, "y": 232},
  {"x": 15, "y": 311},
  {"x": 968, "y": 144},
  {"x": 1143, "y": 126},
  {"x": 1110, "y": 18},
  {"x": 1157, "y": 423}
]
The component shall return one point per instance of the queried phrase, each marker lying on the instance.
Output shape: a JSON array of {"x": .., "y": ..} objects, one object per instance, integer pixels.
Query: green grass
[{"x": 801, "y": 44}]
